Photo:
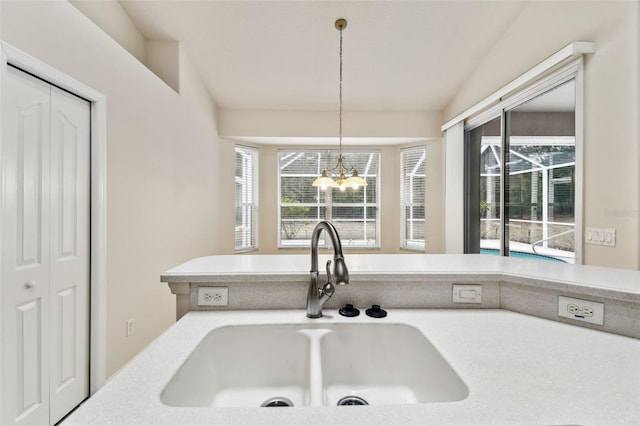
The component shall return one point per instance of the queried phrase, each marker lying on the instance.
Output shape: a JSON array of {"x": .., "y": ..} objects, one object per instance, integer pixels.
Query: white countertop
[
  {"x": 239, "y": 267},
  {"x": 519, "y": 370}
]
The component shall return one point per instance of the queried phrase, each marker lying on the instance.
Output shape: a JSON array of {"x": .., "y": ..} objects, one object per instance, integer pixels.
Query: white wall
[
  {"x": 162, "y": 164},
  {"x": 611, "y": 133}
]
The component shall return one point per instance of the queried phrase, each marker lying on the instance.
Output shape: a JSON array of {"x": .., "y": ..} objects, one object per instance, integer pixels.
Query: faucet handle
[
  {"x": 327, "y": 291},
  {"x": 329, "y": 274}
]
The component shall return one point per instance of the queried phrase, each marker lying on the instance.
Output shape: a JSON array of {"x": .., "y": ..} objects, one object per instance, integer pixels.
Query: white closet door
[
  {"x": 45, "y": 251},
  {"x": 69, "y": 252},
  {"x": 25, "y": 250}
]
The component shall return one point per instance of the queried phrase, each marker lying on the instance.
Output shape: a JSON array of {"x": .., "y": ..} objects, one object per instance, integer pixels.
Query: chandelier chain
[{"x": 340, "y": 90}]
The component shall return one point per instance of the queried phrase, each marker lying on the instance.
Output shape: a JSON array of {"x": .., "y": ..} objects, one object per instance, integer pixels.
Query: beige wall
[
  {"x": 611, "y": 109},
  {"x": 112, "y": 18},
  {"x": 162, "y": 164},
  {"x": 356, "y": 124},
  {"x": 435, "y": 194}
]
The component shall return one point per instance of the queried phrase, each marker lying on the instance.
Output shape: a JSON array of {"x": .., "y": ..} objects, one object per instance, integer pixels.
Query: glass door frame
[{"x": 573, "y": 70}]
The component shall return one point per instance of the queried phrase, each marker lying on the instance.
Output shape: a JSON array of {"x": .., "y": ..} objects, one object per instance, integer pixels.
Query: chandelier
[{"x": 326, "y": 179}]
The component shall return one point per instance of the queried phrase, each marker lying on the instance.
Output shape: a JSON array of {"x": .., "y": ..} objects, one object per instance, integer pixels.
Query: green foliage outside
[
  {"x": 290, "y": 229},
  {"x": 484, "y": 208}
]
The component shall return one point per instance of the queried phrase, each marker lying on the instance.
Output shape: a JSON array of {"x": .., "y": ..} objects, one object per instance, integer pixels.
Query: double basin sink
[{"x": 313, "y": 365}]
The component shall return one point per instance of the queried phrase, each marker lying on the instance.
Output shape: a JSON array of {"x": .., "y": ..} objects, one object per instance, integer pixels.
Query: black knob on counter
[
  {"x": 349, "y": 311},
  {"x": 375, "y": 312}
]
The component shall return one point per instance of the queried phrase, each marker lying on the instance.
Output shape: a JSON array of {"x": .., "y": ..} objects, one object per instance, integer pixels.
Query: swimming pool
[{"x": 522, "y": 255}]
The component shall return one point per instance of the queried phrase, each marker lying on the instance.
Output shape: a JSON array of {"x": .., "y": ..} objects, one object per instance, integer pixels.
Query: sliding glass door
[{"x": 521, "y": 179}]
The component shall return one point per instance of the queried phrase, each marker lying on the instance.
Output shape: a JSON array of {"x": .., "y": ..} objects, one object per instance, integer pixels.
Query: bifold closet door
[{"x": 45, "y": 251}]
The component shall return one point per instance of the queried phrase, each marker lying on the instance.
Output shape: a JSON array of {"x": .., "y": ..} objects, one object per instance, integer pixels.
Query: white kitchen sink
[
  {"x": 386, "y": 364},
  {"x": 243, "y": 366},
  {"x": 313, "y": 364}
]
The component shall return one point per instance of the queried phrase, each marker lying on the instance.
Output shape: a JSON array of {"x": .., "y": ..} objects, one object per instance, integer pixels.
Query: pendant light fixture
[{"x": 325, "y": 180}]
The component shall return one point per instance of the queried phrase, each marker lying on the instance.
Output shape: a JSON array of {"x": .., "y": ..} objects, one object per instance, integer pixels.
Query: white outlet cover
[
  {"x": 567, "y": 309},
  {"x": 130, "y": 326},
  {"x": 467, "y": 293},
  {"x": 213, "y": 296}
]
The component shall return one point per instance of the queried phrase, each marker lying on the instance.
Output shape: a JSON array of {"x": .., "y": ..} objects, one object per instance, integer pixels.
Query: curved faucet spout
[{"x": 317, "y": 296}]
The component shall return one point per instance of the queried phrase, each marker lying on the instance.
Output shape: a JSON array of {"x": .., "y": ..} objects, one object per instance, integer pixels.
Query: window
[
  {"x": 521, "y": 178},
  {"x": 354, "y": 213},
  {"x": 412, "y": 197},
  {"x": 246, "y": 198}
]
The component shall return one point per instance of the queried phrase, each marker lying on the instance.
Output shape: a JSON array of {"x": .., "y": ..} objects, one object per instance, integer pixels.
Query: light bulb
[
  {"x": 343, "y": 188},
  {"x": 355, "y": 186},
  {"x": 323, "y": 187}
]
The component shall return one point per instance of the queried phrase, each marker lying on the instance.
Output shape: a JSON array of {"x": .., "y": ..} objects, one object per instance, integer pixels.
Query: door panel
[
  {"x": 29, "y": 346},
  {"x": 541, "y": 175},
  {"x": 29, "y": 158},
  {"x": 69, "y": 233},
  {"x": 65, "y": 166},
  {"x": 25, "y": 253},
  {"x": 66, "y": 373}
]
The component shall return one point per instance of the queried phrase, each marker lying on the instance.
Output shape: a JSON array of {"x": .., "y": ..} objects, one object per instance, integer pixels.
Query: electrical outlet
[
  {"x": 213, "y": 296},
  {"x": 587, "y": 311},
  {"x": 130, "y": 326},
  {"x": 581, "y": 310}
]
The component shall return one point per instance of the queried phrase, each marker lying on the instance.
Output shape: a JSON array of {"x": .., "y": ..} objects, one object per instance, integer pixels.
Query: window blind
[
  {"x": 246, "y": 180},
  {"x": 412, "y": 197},
  {"x": 354, "y": 213}
]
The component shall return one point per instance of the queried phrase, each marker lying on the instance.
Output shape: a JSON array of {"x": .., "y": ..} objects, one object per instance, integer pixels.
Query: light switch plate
[
  {"x": 601, "y": 236},
  {"x": 467, "y": 293}
]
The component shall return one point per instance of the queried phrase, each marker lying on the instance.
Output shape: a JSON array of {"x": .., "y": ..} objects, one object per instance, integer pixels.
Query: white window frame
[
  {"x": 246, "y": 201},
  {"x": 408, "y": 198},
  {"x": 346, "y": 244}
]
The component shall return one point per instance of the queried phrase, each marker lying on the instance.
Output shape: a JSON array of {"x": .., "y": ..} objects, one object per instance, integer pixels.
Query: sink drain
[
  {"x": 277, "y": 401},
  {"x": 352, "y": 400}
]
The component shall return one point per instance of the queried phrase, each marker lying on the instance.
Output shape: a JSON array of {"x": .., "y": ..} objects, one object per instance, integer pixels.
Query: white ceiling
[{"x": 283, "y": 55}]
